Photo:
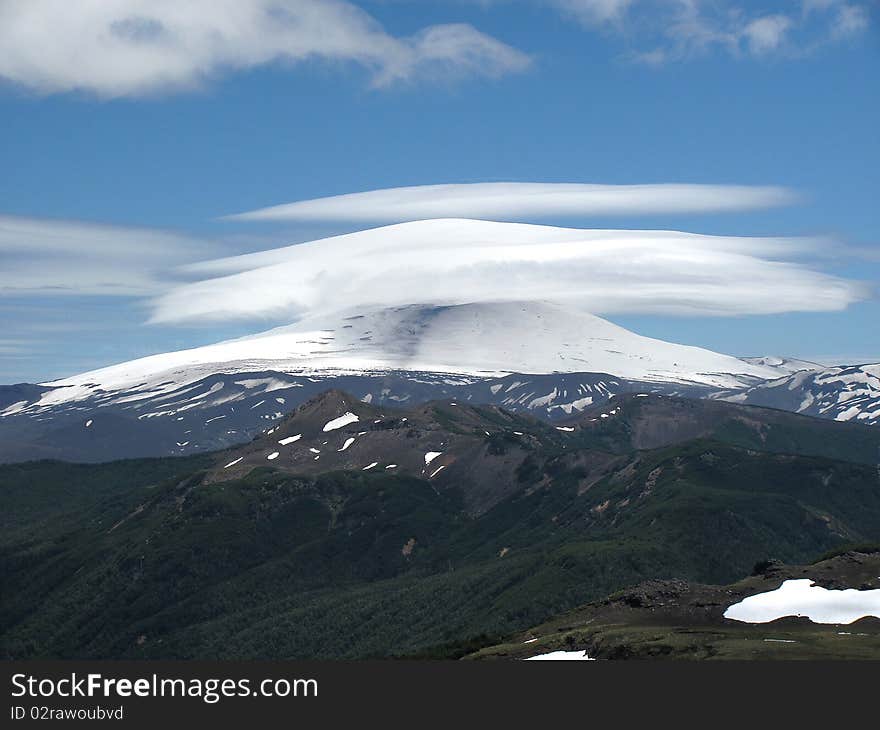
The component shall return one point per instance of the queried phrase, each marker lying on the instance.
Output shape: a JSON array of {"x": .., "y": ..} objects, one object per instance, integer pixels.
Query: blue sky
[{"x": 559, "y": 93}]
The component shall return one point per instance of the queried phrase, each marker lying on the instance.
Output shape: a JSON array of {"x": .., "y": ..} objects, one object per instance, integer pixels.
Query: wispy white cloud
[
  {"x": 658, "y": 31},
  {"x": 55, "y": 257},
  {"x": 849, "y": 20},
  {"x": 524, "y": 201},
  {"x": 797, "y": 28},
  {"x": 594, "y": 11},
  {"x": 458, "y": 261},
  {"x": 767, "y": 33},
  {"x": 116, "y": 48},
  {"x": 13, "y": 347}
]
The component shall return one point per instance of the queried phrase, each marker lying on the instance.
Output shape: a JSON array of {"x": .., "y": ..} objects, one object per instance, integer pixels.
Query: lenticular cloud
[
  {"x": 463, "y": 261},
  {"x": 517, "y": 201}
]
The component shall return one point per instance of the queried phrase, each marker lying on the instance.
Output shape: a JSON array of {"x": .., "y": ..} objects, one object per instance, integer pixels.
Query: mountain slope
[
  {"x": 648, "y": 421},
  {"x": 841, "y": 393},
  {"x": 484, "y": 449},
  {"x": 476, "y": 448},
  {"x": 784, "y": 364},
  {"x": 354, "y": 564},
  {"x": 474, "y": 339},
  {"x": 305, "y": 561},
  {"x": 545, "y": 358},
  {"x": 226, "y": 409},
  {"x": 675, "y": 619}
]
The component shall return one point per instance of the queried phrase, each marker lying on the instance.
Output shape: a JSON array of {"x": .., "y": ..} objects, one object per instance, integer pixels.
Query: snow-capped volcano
[
  {"x": 476, "y": 340},
  {"x": 543, "y": 358}
]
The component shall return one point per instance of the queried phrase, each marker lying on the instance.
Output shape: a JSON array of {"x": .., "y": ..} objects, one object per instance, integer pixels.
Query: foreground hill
[
  {"x": 676, "y": 619},
  {"x": 235, "y": 554},
  {"x": 478, "y": 450},
  {"x": 487, "y": 453}
]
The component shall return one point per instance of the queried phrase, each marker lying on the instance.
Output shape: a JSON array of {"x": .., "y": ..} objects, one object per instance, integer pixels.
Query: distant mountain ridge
[{"x": 842, "y": 393}]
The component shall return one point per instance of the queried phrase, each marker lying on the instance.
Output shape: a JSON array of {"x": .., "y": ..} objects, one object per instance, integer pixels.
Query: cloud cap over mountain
[{"x": 455, "y": 261}]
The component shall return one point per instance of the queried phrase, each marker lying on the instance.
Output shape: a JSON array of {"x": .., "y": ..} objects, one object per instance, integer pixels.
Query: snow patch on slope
[
  {"x": 802, "y": 597},
  {"x": 561, "y": 655},
  {"x": 343, "y": 420}
]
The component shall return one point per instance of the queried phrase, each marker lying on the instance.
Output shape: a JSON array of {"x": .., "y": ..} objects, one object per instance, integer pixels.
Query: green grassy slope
[
  {"x": 678, "y": 620},
  {"x": 359, "y": 564}
]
